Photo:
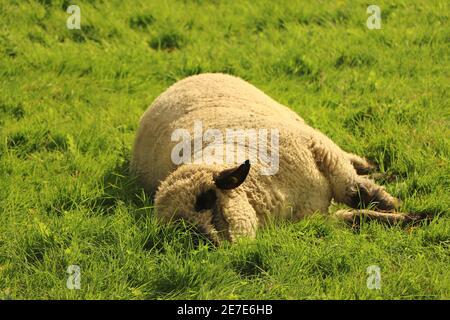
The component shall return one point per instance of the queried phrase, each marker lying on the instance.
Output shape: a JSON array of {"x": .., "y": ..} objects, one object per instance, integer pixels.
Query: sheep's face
[{"x": 209, "y": 197}]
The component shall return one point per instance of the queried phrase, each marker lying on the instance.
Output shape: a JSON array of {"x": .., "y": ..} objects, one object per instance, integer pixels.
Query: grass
[{"x": 70, "y": 101}]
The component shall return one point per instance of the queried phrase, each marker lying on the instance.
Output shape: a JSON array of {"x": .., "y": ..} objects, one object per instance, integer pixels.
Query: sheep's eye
[{"x": 206, "y": 200}]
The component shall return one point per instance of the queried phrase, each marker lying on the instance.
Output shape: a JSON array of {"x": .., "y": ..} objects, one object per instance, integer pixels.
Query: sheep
[{"x": 228, "y": 201}]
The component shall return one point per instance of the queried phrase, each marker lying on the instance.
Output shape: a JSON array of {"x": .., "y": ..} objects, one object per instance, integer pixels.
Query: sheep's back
[{"x": 220, "y": 102}]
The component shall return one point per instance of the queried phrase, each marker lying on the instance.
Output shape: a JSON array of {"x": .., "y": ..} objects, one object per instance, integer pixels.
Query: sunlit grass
[{"x": 70, "y": 101}]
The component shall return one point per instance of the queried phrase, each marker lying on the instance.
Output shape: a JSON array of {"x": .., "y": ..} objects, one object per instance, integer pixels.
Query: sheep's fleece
[{"x": 228, "y": 201}]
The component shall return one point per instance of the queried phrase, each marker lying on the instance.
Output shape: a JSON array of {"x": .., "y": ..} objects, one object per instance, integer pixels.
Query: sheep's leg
[
  {"x": 366, "y": 192},
  {"x": 348, "y": 187},
  {"x": 361, "y": 165},
  {"x": 353, "y": 217}
]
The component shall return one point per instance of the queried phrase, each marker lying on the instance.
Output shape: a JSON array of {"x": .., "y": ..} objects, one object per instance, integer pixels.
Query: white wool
[{"x": 312, "y": 169}]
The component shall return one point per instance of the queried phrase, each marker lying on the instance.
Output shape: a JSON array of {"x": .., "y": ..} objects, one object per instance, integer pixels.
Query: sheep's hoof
[{"x": 397, "y": 203}]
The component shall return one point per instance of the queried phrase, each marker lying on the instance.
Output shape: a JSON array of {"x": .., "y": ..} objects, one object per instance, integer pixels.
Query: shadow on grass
[{"x": 120, "y": 186}]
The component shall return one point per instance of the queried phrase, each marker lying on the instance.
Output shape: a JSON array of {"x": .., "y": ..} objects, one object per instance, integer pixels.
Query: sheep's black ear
[{"x": 232, "y": 178}]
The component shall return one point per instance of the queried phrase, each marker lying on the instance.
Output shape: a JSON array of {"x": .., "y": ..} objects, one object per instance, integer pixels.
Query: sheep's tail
[{"x": 354, "y": 216}]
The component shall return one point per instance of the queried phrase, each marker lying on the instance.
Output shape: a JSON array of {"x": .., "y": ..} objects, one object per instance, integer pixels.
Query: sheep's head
[{"x": 211, "y": 198}]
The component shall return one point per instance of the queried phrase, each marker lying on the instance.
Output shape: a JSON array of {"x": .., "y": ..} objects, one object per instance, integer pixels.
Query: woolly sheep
[{"x": 230, "y": 201}]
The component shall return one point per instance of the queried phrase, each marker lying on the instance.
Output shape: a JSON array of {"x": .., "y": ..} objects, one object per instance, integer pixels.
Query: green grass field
[{"x": 70, "y": 101}]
